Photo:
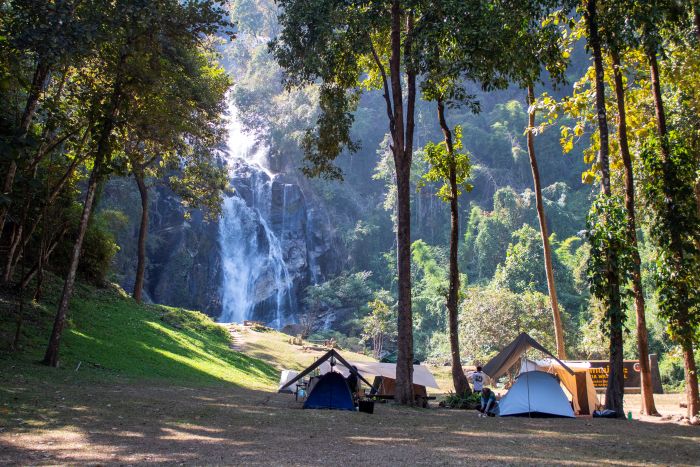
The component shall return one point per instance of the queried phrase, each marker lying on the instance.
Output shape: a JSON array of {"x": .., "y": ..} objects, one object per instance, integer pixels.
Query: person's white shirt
[{"x": 478, "y": 378}]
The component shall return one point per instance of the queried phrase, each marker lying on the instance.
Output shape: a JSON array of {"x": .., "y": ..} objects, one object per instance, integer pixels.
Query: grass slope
[
  {"x": 275, "y": 347},
  {"x": 110, "y": 336}
]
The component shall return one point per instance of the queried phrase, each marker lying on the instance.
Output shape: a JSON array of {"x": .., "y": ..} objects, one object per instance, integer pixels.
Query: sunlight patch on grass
[
  {"x": 81, "y": 335},
  {"x": 112, "y": 336}
]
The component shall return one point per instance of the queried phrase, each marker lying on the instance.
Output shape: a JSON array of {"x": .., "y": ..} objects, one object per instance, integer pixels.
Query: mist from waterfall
[{"x": 255, "y": 275}]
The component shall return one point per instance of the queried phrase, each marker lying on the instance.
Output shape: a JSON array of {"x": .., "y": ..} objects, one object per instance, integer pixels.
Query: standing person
[
  {"x": 477, "y": 378},
  {"x": 488, "y": 403},
  {"x": 353, "y": 382}
]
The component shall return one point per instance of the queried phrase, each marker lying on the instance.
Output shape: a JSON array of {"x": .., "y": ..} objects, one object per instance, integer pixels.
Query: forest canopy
[{"x": 481, "y": 164}]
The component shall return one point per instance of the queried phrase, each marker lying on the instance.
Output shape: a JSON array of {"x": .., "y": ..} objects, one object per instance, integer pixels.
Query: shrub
[
  {"x": 99, "y": 246},
  {"x": 672, "y": 371},
  {"x": 460, "y": 401}
]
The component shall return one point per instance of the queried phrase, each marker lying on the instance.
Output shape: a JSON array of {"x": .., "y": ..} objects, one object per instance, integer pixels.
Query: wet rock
[{"x": 184, "y": 256}]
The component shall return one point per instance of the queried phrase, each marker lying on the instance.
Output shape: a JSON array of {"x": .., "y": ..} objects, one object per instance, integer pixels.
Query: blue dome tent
[
  {"x": 535, "y": 394},
  {"x": 330, "y": 392}
]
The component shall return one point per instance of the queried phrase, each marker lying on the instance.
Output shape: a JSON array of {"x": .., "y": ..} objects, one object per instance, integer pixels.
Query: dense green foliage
[
  {"x": 491, "y": 318},
  {"x": 135, "y": 88},
  {"x": 500, "y": 204},
  {"x": 92, "y": 89},
  {"x": 677, "y": 276}
]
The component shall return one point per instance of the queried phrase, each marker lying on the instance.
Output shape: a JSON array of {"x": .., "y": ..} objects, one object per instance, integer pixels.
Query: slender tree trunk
[
  {"x": 459, "y": 379},
  {"x": 615, "y": 391},
  {"x": 143, "y": 233},
  {"x": 39, "y": 280},
  {"x": 51, "y": 356},
  {"x": 648, "y": 406},
  {"x": 691, "y": 378},
  {"x": 549, "y": 270},
  {"x": 41, "y": 74},
  {"x": 402, "y": 161},
  {"x": 676, "y": 243},
  {"x": 45, "y": 253},
  {"x": 10, "y": 259},
  {"x": 18, "y": 238},
  {"x": 696, "y": 19},
  {"x": 20, "y": 315},
  {"x": 101, "y": 156},
  {"x": 658, "y": 105}
]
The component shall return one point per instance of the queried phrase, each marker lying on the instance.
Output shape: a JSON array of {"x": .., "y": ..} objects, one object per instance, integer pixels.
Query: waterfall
[{"x": 256, "y": 279}]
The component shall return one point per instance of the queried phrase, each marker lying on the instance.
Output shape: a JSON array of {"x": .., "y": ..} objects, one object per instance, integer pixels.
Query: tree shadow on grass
[{"x": 135, "y": 422}]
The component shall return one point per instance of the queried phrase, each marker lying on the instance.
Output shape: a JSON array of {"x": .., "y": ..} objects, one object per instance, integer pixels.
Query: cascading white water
[{"x": 255, "y": 276}]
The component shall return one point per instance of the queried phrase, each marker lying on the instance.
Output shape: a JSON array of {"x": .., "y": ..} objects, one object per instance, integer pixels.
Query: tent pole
[{"x": 527, "y": 382}]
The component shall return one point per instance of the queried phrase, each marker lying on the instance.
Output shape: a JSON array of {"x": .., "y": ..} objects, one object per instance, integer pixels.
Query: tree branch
[{"x": 387, "y": 99}]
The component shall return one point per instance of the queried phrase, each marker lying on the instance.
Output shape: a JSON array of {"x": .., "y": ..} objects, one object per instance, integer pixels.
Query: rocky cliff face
[
  {"x": 184, "y": 265},
  {"x": 254, "y": 263},
  {"x": 273, "y": 244}
]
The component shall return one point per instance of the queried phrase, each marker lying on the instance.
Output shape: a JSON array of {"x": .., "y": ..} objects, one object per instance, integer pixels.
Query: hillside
[{"x": 110, "y": 337}]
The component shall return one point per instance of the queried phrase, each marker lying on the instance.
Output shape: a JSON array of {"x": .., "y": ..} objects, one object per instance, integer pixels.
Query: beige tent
[
  {"x": 578, "y": 386},
  {"x": 421, "y": 375},
  {"x": 285, "y": 377}
]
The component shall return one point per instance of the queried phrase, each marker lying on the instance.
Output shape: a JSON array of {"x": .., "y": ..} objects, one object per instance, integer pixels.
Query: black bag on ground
[{"x": 366, "y": 406}]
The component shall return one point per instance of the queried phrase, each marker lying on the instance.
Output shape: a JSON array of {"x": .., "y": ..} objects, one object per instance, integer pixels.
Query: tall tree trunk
[
  {"x": 615, "y": 391},
  {"x": 41, "y": 74},
  {"x": 20, "y": 314},
  {"x": 691, "y": 378},
  {"x": 19, "y": 234},
  {"x": 696, "y": 19},
  {"x": 51, "y": 355},
  {"x": 648, "y": 406},
  {"x": 676, "y": 243},
  {"x": 101, "y": 157},
  {"x": 16, "y": 239},
  {"x": 549, "y": 270},
  {"x": 402, "y": 161},
  {"x": 459, "y": 379},
  {"x": 143, "y": 233}
]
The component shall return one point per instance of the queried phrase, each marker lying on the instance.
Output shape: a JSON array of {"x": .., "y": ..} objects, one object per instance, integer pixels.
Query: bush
[
  {"x": 672, "y": 371},
  {"x": 460, "y": 401},
  {"x": 99, "y": 247}
]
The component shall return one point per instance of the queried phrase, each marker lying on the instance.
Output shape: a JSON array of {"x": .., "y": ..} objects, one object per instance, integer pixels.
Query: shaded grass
[
  {"x": 169, "y": 424},
  {"x": 110, "y": 336}
]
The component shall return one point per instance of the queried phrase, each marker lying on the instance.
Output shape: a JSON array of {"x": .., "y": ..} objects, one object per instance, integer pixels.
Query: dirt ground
[{"x": 128, "y": 423}]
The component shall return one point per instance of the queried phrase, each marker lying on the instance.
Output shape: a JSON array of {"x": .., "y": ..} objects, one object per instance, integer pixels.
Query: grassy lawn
[
  {"x": 133, "y": 423},
  {"x": 109, "y": 336},
  {"x": 145, "y": 384}
]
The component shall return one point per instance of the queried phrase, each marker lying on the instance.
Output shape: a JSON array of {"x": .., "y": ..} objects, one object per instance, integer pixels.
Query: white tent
[
  {"x": 579, "y": 388},
  {"x": 421, "y": 375},
  {"x": 285, "y": 377},
  {"x": 535, "y": 394}
]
